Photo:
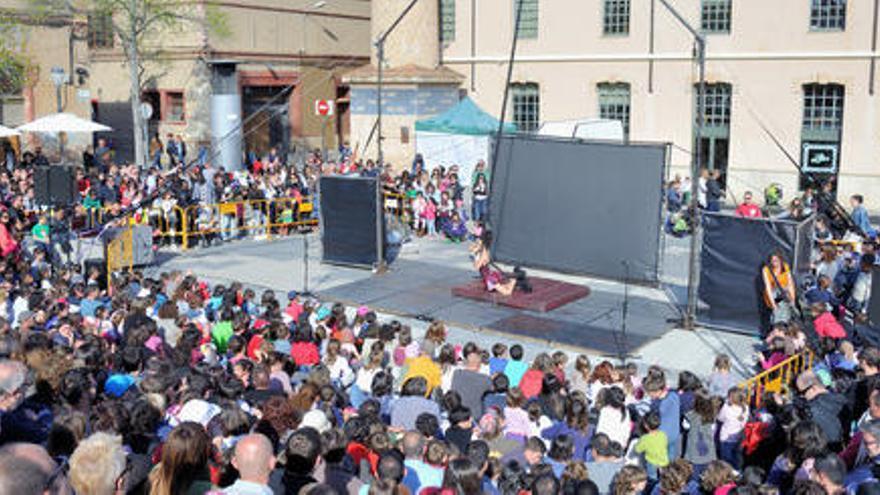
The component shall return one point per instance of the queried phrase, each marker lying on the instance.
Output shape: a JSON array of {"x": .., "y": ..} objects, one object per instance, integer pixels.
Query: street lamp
[{"x": 59, "y": 77}]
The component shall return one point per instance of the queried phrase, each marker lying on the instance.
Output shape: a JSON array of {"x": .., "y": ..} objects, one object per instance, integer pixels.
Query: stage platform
[
  {"x": 418, "y": 287},
  {"x": 546, "y": 294}
]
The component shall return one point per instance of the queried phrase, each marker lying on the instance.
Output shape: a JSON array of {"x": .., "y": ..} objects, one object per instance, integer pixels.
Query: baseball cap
[
  {"x": 362, "y": 311},
  {"x": 292, "y": 294},
  {"x": 322, "y": 313},
  {"x": 315, "y": 419},
  {"x": 117, "y": 385}
]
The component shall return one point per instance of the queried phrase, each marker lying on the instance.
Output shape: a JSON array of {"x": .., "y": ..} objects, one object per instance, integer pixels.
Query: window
[
  {"x": 174, "y": 107},
  {"x": 526, "y": 106},
  {"x": 528, "y": 18},
  {"x": 100, "y": 30},
  {"x": 717, "y": 104},
  {"x": 447, "y": 20},
  {"x": 821, "y": 132},
  {"x": 715, "y": 17},
  {"x": 715, "y": 141},
  {"x": 823, "y": 107},
  {"x": 828, "y": 15},
  {"x": 616, "y": 19},
  {"x": 614, "y": 104}
]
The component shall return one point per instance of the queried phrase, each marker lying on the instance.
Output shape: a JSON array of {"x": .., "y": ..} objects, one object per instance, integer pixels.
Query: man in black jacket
[
  {"x": 827, "y": 409},
  {"x": 713, "y": 191}
]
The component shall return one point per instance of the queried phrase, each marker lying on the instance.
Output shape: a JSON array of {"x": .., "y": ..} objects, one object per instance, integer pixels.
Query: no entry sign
[{"x": 324, "y": 108}]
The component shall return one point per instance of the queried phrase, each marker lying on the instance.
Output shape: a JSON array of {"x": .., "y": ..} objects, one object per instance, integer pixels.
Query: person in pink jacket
[{"x": 8, "y": 244}]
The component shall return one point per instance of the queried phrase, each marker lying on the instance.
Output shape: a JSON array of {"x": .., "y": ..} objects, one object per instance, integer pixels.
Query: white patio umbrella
[
  {"x": 62, "y": 122},
  {"x": 8, "y": 132}
]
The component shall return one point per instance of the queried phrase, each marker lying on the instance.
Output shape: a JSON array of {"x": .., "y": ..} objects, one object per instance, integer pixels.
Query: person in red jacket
[
  {"x": 825, "y": 324},
  {"x": 747, "y": 208}
]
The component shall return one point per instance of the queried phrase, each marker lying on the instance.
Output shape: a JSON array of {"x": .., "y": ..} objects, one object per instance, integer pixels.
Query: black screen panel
[
  {"x": 348, "y": 220},
  {"x": 573, "y": 206},
  {"x": 734, "y": 250}
]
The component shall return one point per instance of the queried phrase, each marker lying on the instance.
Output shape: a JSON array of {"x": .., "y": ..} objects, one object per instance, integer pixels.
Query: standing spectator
[
  {"x": 653, "y": 445},
  {"x": 667, "y": 404},
  {"x": 8, "y": 244},
  {"x": 747, "y": 208},
  {"x": 827, "y": 409},
  {"x": 481, "y": 198},
  {"x": 614, "y": 416},
  {"x": 606, "y": 461},
  {"x": 732, "y": 418},
  {"x": 171, "y": 150},
  {"x": 181, "y": 149},
  {"x": 700, "y": 447},
  {"x": 860, "y": 215},
  {"x": 713, "y": 191},
  {"x": 721, "y": 379},
  {"x": 157, "y": 149}
]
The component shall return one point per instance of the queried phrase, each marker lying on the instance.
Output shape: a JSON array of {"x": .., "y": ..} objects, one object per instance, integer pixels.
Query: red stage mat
[{"x": 546, "y": 294}]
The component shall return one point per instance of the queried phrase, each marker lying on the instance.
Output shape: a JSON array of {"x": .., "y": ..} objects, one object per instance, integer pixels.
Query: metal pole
[
  {"x": 380, "y": 48},
  {"x": 58, "y": 98},
  {"x": 380, "y": 221},
  {"x": 306, "y": 263},
  {"x": 691, "y": 316},
  {"x": 696, "y": 157},
  {"x": 324, "y": 139},
  {"x": 380, "y": 57}
]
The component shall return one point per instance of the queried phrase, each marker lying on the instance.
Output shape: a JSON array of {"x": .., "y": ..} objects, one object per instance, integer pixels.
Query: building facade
[
  {"x": 289, "y": 54},
  {"x": 414, "y": 84},
  {"x": 790, "y": 82},
  {"x": 47, "y": 41}
]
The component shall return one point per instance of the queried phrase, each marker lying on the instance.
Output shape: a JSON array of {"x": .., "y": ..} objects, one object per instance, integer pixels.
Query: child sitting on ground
[{"x": 498, "y": 361}]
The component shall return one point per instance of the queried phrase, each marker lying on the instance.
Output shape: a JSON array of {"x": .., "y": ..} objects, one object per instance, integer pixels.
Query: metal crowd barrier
[
  {"x": 120, "y": 254},
  {"x": 263, "y": 218},
  {"x": 777, "y": 378}
]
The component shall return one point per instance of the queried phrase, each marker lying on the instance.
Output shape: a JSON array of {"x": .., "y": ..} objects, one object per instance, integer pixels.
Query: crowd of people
[{"x": 171, "y": 385}]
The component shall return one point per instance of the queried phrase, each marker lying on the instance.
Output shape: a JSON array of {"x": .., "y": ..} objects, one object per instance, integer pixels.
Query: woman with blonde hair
[{"x": 183, "y": 469}]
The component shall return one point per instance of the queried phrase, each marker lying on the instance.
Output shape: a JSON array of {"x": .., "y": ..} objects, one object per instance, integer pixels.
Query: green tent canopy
[{"x": 464, "y": 118}]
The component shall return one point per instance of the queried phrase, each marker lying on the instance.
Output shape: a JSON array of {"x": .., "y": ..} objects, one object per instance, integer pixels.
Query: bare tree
[{"x": 139, "y": 26}]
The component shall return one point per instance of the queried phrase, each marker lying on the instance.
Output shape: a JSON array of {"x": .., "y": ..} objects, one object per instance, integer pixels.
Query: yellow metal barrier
[
  {"x": 120, "y": 254},
  {"x": 262, "y": 217},
  {"x": 777, "y": 378}
]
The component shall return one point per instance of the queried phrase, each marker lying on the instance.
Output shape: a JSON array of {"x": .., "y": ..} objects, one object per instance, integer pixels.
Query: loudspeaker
[
  {"x": 142, "y": 242},
  {"x": 350, "y": 215},
  {"x": 54, "y": 185}
]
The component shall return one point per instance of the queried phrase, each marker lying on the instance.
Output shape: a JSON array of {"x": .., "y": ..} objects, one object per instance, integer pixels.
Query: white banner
[{"x": 453, "y": 149}]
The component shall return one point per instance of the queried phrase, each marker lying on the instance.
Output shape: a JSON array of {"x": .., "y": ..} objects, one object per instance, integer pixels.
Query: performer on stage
[{"x": 493, "y": 279}]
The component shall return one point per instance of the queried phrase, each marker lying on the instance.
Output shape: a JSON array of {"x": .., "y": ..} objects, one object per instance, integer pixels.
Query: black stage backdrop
[
  {"x": 573, "y": 206},
  {"x": 733, "y": 251},
  {"x": 348, "y": 220}
]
